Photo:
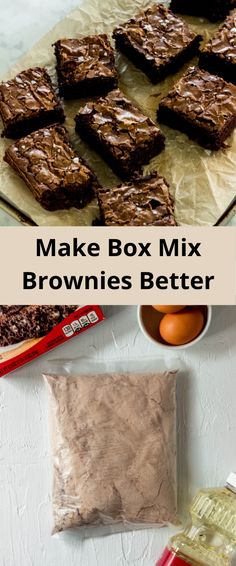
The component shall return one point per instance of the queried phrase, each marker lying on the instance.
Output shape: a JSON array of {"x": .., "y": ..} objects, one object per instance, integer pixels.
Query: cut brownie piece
[
  {"x": 214, "y": 10},
  {"x": 219, "y": 54},
  {"x": 157, "y": 41},
  {"x": 30, "y": 322},
  {"x": 144, "y": 201},
  {"x": 29, "y": 102},
  {"x": 50, "y": 167},
  {"x": 201, "y": 105},
  {"x": 85, "y": 67},
  {"x": 120, "y": 133}
]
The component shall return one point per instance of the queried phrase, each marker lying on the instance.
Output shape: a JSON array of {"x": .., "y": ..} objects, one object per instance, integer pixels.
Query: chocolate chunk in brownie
[
  {"x": 52, "y": 170},
  {"x": 27, "y": 322},
  {"x": 29, "y": 102},
  {"x": 214, "y": 10},
  {"x": 219, "y": 54},
  {"x": 86, "y": 66},
  {"x": 157, "y": 41},
  {"x": 120, "y": 132},
  {"x": 144, "y": 201},
  {"x": 203, "y": 106}
]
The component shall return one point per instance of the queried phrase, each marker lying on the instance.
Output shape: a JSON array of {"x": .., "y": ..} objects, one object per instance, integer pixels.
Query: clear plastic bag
[{"x": 113, "y": 428}]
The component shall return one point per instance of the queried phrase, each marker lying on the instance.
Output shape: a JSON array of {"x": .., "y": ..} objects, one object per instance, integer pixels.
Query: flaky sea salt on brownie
[
  {"x": 214, "y": 10},
  {"x": 29, "y": 102},
  {"x": 120, "y": 132},
  {"x": 85, "y": 66},
  {"x": 145, "y": 201},
  {"x": 218, "y": 56},
  {"x": 157, "y": 41},
  {"x": 52, "y": 170},
  {"x": 203, "y": 106}
]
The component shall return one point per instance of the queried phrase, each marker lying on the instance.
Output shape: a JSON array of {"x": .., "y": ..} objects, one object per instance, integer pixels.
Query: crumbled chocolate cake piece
[{"x": 27, "y": 322}]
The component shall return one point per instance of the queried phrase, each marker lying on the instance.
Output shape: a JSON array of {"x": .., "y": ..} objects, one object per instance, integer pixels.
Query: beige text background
[{"x": 18, "y": 255}]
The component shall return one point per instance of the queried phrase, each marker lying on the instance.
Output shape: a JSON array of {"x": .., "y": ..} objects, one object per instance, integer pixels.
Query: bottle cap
[
  {"x": 170, "y": 558},
  {"x": 231, "y": 482}
]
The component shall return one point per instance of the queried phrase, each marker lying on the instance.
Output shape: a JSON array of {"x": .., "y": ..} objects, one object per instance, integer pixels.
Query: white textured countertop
[
  {"x": 24, "y": 22},
  {"x": 206, "y": 431}
]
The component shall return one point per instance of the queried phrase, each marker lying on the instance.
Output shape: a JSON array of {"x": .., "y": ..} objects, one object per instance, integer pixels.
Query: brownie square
[
  {"x": 29, "y": 102},
  {"x": 201, "y": 105},
  {"x": 52, "y": 170},
  {"x": 214, "y": 10},
  {"x": 85, "y": 67},
  {"x": 219, "y": 54},
  {"x": 157, "y": 41},
  {"x": 144, "y": 201},
  {"x": 119, "y": 131}
]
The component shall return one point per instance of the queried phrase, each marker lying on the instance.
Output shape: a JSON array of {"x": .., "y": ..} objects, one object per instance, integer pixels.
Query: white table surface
[{"x": 206, "y": 432}]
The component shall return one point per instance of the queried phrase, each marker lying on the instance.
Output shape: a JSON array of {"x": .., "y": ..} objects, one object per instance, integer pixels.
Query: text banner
[{"x": 82, "y": 265}]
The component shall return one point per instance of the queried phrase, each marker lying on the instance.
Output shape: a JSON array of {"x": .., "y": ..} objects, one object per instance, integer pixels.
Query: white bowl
[{"x": 149, "y": 321}]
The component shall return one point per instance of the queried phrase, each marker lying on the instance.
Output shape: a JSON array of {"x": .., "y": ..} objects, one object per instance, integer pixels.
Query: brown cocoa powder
[{"x": 114, "y": 449}]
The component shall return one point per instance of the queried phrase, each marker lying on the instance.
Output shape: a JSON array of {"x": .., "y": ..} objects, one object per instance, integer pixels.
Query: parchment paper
[{"x": 203, "y": 182}]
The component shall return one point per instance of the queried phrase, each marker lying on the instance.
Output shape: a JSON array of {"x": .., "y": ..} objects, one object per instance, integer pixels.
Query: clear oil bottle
[{"x": 210, "y": 539}]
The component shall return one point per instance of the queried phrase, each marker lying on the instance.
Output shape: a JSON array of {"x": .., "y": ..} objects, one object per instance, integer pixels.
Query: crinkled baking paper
[{"x": 202, "y": 182}]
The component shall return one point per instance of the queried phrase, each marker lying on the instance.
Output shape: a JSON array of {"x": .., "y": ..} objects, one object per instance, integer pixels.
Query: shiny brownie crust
[
  {"x": 85, "y": 67},
  {"x": 29, "y": 102},
  {"x": 144, "y": 201},
  {"x": 52, "y": 170},
  {"x": 141, "y": 40},
  {"x": 219, "y": 54},
  {"x": 119, "y": 131},
  {"x": 203, "y": 106}
]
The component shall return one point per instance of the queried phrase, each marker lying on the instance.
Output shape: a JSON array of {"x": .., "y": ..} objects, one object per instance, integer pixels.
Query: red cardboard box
[{"x": 14, "y": 356}]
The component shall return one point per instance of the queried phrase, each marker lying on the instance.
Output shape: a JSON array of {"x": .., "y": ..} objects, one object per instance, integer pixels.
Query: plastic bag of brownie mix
[{"x": 114, "y": 446}]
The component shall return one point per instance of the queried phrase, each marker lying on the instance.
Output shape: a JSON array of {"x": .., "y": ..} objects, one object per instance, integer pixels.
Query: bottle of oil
[{"x": 210, "y": 539}]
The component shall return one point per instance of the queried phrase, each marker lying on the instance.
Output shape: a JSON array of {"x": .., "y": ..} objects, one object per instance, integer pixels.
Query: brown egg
[
  {"x": 168, "y": 309},
  {"x": 183, "y": 327}
]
